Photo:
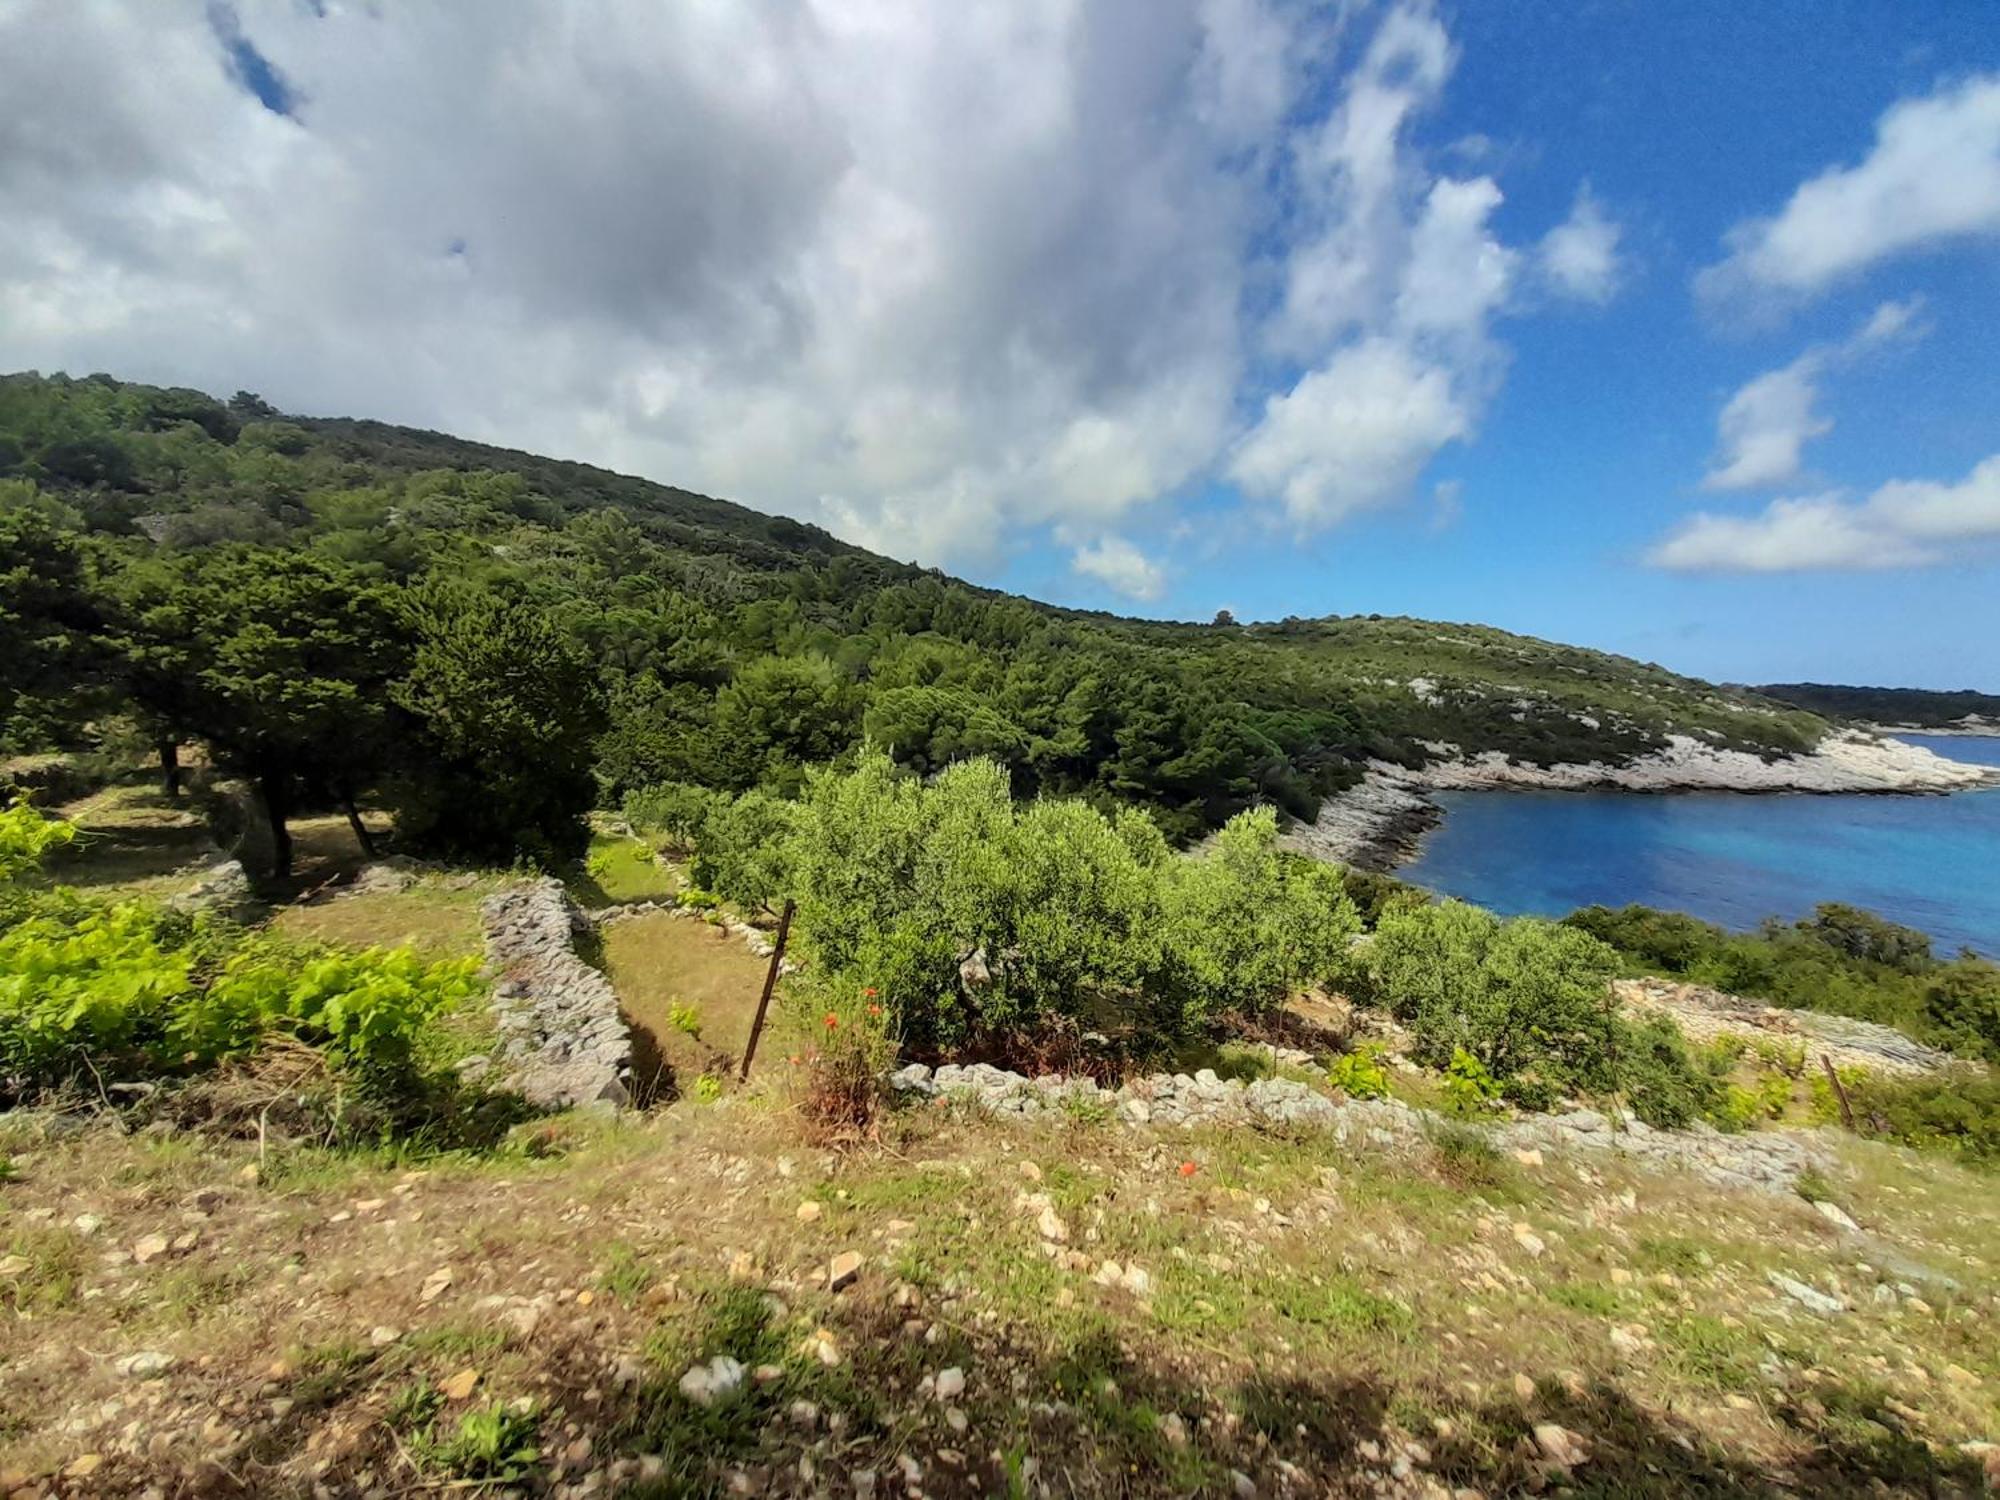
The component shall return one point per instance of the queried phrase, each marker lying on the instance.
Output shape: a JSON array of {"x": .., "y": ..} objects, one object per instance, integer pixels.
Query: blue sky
[{"x": 1660, "y": 328}]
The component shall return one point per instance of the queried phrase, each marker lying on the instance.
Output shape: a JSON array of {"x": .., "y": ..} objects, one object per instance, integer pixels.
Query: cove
[{"x": 1931, "y": 862}]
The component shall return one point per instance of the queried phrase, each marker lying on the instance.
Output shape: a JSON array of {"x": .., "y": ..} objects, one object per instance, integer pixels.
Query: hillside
[
  {"x": 732, "y": 648},
  {"x": 1913, "y": 707}
]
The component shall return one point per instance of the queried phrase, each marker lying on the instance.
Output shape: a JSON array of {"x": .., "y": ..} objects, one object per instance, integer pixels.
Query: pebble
[{"x": 950, "y": 1383}]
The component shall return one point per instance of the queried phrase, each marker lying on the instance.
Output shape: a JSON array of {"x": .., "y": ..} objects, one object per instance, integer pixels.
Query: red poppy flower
[
  {"x": 1188, "y": 1169},
  {"x": 832, "y": 1021},
  {"x": 871, "y": 992},
  {"x": 874, "y": 1010}
]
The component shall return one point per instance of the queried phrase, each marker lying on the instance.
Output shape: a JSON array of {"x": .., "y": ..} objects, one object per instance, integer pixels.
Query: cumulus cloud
[
  {"x": 1933, "y": 175},
  {"x": 1764, "y": 427},
  {"x": 936, "y": 277},
  {"x": 1122, "y": 567},
  {"x": 1906, "y": 523},
  {"x": 1579, "y": 257}
]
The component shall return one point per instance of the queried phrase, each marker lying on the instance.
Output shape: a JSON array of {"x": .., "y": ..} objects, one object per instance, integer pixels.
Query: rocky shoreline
[{"x": 1380, "y": 823}]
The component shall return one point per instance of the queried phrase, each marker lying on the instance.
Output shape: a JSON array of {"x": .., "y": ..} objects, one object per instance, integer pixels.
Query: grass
[
  {"x": 436, "y": 920},
  {"x": 618, "y": 869},
  {"x": 1303, "y": 1299},
  {"x": 662, "y": 965}
]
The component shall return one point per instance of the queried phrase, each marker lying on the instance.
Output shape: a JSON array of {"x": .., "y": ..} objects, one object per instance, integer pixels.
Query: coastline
[{"x": 1379, "y": 824}]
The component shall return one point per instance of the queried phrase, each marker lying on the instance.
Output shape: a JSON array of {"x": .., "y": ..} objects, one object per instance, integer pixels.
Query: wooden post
[
  {"x": 1839, "y": 1091},
  {"x": 770, "y": 983}
]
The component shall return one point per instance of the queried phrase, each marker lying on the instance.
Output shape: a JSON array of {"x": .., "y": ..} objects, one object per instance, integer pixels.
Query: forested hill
[
  {"x": 301, "y": 594},
  {"x": 1878, "y": 705}
]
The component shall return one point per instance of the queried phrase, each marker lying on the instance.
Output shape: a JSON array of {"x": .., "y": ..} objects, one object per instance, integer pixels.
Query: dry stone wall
[
  {"x": 563, "y": 1040},
  {"x": 1762, "y": 1161}
]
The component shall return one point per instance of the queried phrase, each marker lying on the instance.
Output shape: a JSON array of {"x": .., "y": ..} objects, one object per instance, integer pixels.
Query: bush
[
  {"x": 1359, "y": 1074},
  {"x": 845, "y": 1051},
  {"x": 744, "y": 849},
  {"x": 1958, "y": 1113},
  {"x": 1841, "y": 960},
  {"x": 986, "y": 923},
  {"x": 676, "y": 809},
  {"x": 1665, "y": 1082},
  {"x": 1527, "y": 998},
  {"x": 131, "y": 991}
]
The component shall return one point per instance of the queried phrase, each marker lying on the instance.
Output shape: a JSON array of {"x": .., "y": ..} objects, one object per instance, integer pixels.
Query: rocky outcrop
[
  {"x": 1706, "y": 1015},
  {"x": 1764, "y": 1161},
  {"x": 563, "y": 1039},
  {"x": 1378, "y": 823}
]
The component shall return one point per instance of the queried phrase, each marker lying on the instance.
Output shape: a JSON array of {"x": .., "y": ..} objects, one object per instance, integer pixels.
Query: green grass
[{"x": 618, "y": 869}]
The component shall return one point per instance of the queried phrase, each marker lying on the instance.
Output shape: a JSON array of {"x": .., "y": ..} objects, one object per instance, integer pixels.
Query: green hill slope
[{"x": 734, "y": 647}]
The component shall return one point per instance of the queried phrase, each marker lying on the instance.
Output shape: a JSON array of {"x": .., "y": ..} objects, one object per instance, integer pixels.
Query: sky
[{"x": 1667, "y": 329}]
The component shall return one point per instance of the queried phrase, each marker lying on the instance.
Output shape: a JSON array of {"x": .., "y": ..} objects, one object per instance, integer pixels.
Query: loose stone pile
[
  {"x": 1767, "y": 1162},
  {"x": 562, "y": 1034},
  {"x": 1706, "y": 1014}
]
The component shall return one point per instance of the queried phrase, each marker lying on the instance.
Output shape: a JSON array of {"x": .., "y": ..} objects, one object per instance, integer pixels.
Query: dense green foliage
[
  {"x": 1840, "y": 959},
  {"x": 94, "y": 993},
  {"x": 218, "y": 572},
  {"x": 1528, "y": 998},
  {"x": 1958, "y": 1113},
  {"x": 1523, "y": 1008},
  {"x": 1874, "y": 705},
  {"x": 979, "y": 921}
]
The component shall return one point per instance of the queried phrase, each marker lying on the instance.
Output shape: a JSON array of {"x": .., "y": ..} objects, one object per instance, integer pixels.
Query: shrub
[
  {"x": 980, "y": 921},
  {"x": 130, "y": 990},
  {"x": 1665, "y": 1083},
  {"x": 27, "y": 838},
  {"x": 1958, "y": 1113},
  {"x": 1359, "y": 1074},
  {"x": 677, "y": 809},
  {"x": 1527, "y": 999},
  {"x": 1468, "y": 1087}
]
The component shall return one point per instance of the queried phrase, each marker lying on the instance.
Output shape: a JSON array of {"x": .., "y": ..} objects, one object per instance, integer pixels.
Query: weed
[
  {"x": 491, "y": 1445},
  {"x": 1713, "y": 1352},
  {"x": 685, "y": 1019},
  {"x": 1080, "y": 1109},
  {"x": 458, "y": 1342},
  {"x": 324, "y": 1373},
  {"x": 625, "y": 1275},
  {"x": 52, "y": 1273},
  {"x": 1469, "y": 1088},
  {"x": 1589, "y": 1297},
  {"x": 1812, "y": 1185},
  {"x": 1341, "y": 1303}
]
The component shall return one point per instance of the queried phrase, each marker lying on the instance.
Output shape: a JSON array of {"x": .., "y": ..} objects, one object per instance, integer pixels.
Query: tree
[
  {"x": 506, "y": 710},
  {"x": 781, "y": 712},
  {"x": 1224, "y": 617},
  {"x": 279, "y": 661},
  {"x": 51, "y": 628}
]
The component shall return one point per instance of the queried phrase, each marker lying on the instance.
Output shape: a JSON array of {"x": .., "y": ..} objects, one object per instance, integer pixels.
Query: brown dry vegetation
[{"x": 661, "y": 961}]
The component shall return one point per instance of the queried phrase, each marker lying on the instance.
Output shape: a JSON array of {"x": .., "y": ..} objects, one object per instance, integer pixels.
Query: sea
[{"x": 1931, "y": 862}]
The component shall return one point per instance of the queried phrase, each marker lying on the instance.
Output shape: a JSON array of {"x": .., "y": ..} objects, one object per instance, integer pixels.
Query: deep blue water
[{"x": 1931, "y": 862}]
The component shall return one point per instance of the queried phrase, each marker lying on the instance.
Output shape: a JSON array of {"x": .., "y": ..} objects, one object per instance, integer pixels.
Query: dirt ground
[{"x": 1082, "y": 1309}]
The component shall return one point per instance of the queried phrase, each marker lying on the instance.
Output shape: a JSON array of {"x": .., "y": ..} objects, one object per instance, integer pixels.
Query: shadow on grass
[{"x": 1096, "y": 1414}]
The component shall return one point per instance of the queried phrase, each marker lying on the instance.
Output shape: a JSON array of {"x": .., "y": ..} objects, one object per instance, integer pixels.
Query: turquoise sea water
[{"x": 1932, "y": 862}]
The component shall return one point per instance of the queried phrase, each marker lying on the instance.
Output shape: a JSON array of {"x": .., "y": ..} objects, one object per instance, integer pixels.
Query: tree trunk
[
  {"x": 170, "y": 769},
  {"x": 273, "y": 793},
  {"x": 361, "y": 834}
]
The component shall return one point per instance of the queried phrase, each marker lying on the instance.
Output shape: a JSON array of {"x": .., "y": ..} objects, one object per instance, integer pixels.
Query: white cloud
[
  {"x": 938, "y": 277},
  {"x": 1579, "y": 257},
  {"x": 1352, "y": 434},
  {"x": 1764, "y": 427},
  {"x": 1906, "y": 523},
  {"x": 1117, "y": 563},
  {"x": 1933, "y": 175}
]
